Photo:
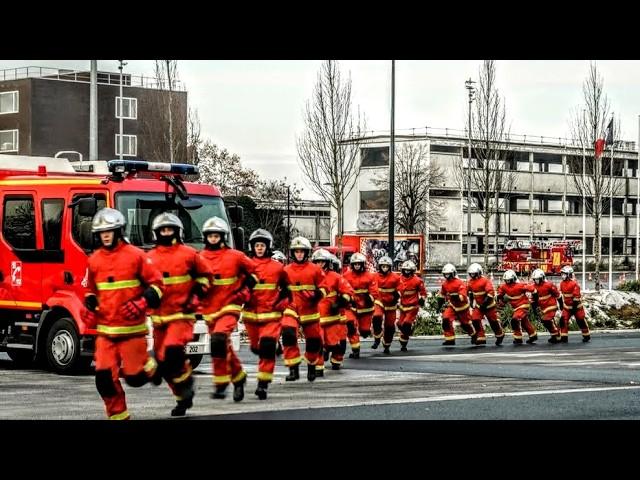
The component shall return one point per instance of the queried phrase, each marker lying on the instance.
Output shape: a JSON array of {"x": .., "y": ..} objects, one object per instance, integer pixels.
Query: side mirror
[
  {"x": 238, "y": 238},
  {"x": 236, "y": 214},
  {"x": 87, "y": 207}
]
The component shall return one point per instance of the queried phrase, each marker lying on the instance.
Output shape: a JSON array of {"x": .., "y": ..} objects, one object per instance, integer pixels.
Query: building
[
  {"x": 44, "y": 111},
  {"x": 309, "y": 218},
  {"x": 543, "y": 204}
]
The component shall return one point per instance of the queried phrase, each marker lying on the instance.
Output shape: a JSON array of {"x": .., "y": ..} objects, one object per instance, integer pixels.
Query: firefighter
[
  {"x": 412, "y": 296},
  {"x": 482, "y": 300},
  {"x": 570, "y": 291},
  {"x": 339, "y": 357},
  {"x": 365, "y": 288},
  {"x": 278, "y": 256},
  {"x": 386, "y": 306},
  {"x": 186, "y": 278},
  {"x": 122, "y": 283},
  {"x": 305, "y": 279},
  {"x": 516, "y": 294},
  {"x": 454, "y": 293},
  {"x": 337, "y": 294},
  {"x": 545, "y": 296},
  {"x": 233, "y": 280},
  {"x": 263, "y": 313}
]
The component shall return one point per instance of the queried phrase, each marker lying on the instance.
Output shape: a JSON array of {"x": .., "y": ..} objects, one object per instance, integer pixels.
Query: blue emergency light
[{"x": 128, "y": 166}]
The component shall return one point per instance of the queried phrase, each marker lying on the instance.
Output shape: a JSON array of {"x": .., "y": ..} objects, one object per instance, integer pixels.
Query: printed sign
[{"x": 16, "y": 274}]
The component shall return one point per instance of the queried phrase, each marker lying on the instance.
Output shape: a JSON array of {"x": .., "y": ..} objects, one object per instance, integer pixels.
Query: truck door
[{"x": 22, "y": 251}]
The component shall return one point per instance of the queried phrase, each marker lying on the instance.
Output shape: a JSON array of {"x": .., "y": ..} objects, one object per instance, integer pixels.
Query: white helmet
[
  {"x": 300, "y": 243},
  {"x": 566, "y": 272},
  {"x": 385, "y": 261},
  {"x": 215, "y": 225},
  {"x": 321, "y": 255},
  {"x": 509, "y": 276},
  {"x": 337, "y": 264},
  {"x": 449, "y": 271},
  {"x": 409, "y": 265},
  {"x": 261, "y": 235},
  {"x": 357, "y": 258},
  {"x": 474, "y": 270},
  {"x": 107, "y": 219},
  {"x": 167, "y": 219},
  {"x": 538, "y": 274},
  {"x": 278, "y": 256}
]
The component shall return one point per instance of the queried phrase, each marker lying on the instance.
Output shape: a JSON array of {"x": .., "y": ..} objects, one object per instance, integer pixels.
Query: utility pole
[
  {"x": 469, "y": 86},
  {"x": 392, "y": 169},
  {"x": 93, "y": 112},
  {"x": 122, "y": 64}
]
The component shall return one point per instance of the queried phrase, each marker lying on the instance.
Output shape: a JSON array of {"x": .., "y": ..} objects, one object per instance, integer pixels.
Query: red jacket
[
  {"x": 459, "y": 303},
  {"x": 332, "y": 286},
  {"x": 229, "y": 270},
  {"x": 516, "y": 294},
  {"x": 547, "y": 296},
  {"x": 387, "y": 286},
  {"x": 411, "y": 289},
  {"x": 264, "y": 304},
  {"x": 304, "y": 280},
  {"x": 364, "y": 285},
  {"x": 482, "y": 288},
  {"x": 570, "y": 290},
  {"x": 115, "y": 277},
  {"x": 180, "y": 266}
]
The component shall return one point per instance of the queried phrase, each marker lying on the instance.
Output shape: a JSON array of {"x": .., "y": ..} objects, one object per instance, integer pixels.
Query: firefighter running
[
  {"x": 545, "y": 299},
  {"x": 515, "y": 293},
  {"x": 122, "y": 283},
  {"x": 454, "y": 293},
  {"x": 482, "y": 300},
  {"x": 412, "y": 295},
  {"x": 386, "y": 306},
  {"x": 572, "y": 307}
]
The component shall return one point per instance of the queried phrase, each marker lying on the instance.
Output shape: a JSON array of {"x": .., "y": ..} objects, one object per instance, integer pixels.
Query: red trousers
[
  {"x": 263, "y": 338},
  {"x": 334, "y": 341},
  {"x": 226, "y": 364},
  {"x": 449, "y": 316},
  {"x": 520, "y": 319},
  {"x": 312, "y": 335},
  {"x": 565, "y": 318},
  {"x": 358, "y": 325},
  {"x": 174, "y": 336},
  {"x": 491, "y": 315}
]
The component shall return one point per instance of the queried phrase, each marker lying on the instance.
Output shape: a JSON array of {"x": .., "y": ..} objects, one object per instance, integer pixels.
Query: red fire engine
[
  {"x": 524, "y": 256},
  {"x": 46, "y": 237}
]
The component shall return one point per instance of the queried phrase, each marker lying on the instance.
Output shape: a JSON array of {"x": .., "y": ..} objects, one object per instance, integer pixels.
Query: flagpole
[
  {"x": 611, "y": 222},
  {"x": 638, "y": 205},
  {"x": 584, "y": 217}
]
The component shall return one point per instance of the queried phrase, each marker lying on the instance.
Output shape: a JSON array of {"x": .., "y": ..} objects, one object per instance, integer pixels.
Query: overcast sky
[{"x": 254, "y": 108}]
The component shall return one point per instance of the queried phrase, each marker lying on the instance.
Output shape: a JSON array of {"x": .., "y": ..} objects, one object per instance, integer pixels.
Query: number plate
[{"x": 194, "y": 349}]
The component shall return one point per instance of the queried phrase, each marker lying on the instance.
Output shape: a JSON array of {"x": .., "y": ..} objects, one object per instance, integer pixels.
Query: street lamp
[
  {"x": 122, "y": 64},
  {"x": 469, "y": 86}
]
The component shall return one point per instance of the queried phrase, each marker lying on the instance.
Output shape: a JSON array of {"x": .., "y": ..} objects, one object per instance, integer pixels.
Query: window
[
  {"x": 374, "y": 157},
  {"x": 376, "y": 200},
  {"x": 8, "y": 102},
  {"x": 8, "y": 140},
  {"x": 522, "y": 204},
  {"x": 522, "y": 166},
  {"x": 502, "y": 204},
  {"x": 81, "y": 225},
  {"x": 129, "y": 145},
  {"x": 19, "y": 226},
  {"x": 129, "y": 108},
  {"x": 554, "y": 206},
  {"x": 554, "y": 167},
  {"x": 52, "y": 222},
  {"x": 444, "y": 149}
]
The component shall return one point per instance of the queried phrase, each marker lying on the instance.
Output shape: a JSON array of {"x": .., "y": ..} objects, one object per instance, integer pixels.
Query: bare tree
[
  {"x": 327, "y": 159},
  {"x": 225, "y": 171},
  {"x": 194, "y": 138},
  {"x": 490, "y": 176},
  {"x": 271, "y": 208},
  {"x": 587, "y": 125},
  {"x": 413, "y": 180}
]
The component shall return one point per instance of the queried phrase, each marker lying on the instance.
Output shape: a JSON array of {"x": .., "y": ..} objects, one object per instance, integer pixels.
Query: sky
[{"x": 255, "y": 108}]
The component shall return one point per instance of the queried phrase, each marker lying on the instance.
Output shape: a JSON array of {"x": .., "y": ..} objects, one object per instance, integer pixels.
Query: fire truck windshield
[{"x": 140, "y": 208}]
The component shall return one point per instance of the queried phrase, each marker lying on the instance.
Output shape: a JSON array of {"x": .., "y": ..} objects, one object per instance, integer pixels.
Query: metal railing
[{"x": 84, "y": 76}]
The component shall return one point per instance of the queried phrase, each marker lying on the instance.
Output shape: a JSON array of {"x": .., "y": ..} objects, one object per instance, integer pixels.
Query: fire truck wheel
[
  {"x": 22, "y": 358},
  {"x": 195, "y": 360},
  {"x": 63, "y": 348}
]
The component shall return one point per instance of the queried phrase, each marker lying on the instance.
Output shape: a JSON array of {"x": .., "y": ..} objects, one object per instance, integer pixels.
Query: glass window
[
  {"x": 129, "y": 145},
  {"x": 81, "y": 225},
  {"x": 52, "y": 222},
  {"x": 19, "y": 225},
  {"x": 554, "y": 167},
  {"x": 375, "y": 200},
  {"x": 8, "y": 102},
  {"x": 374, "y": 157},
  {"x": 554, "y": 206},
  {"x": 523, "y": 166},
  {"x": 444, "y": 149},
  {"x": 128, "y": 107},
  {"x": 522, "y": 204},
  {"x": 8, "y": 140}
]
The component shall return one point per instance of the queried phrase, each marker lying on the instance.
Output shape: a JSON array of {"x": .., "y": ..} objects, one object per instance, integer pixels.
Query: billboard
[{"x": 407, "y": 247}]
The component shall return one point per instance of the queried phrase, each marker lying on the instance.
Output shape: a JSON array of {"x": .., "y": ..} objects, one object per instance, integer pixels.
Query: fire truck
[
  {"x": 524, "y": 256},
  {"x": 46, "y": 238}
]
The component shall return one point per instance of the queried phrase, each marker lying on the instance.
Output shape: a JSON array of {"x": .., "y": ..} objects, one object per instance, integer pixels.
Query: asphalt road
[{"x": 596, "y": 380}]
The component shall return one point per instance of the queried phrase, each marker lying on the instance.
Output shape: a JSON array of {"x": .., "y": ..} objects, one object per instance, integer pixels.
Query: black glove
[
  {"x": 91, "y": 302},
  {"x": 396, "y": 296},
  {"x": 353, "y": 303},
  {"x": 471, "y": 299},
  {"x": 199, "y": 290},
  {"x": 368, "y": 301},
  {"x": 342, "y": 302},
  {"x": 574, "y": 309},
  {"x": 250, "y": 281},
  {"x": 485, "y": 305},
  {"x": 421, "y": 301},
  {"x": 317, "y": 295},
  {"x": 454, "y": 296},
  {"x": 440, "y": 303},
  {"x": 334, "y": 309},
  {"x": 560, "y": 302}
]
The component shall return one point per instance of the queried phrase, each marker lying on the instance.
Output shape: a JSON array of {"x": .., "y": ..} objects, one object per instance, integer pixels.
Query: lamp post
[
  {"x": 120, "y": 67},
  {"x": 392, "y": 172},
  {"x": 288, "y": 220},
  {"x": 469, "y": 86}
]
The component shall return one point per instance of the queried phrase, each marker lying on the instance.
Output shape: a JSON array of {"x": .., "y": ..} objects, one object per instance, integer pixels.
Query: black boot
[
  {"x": 220, "y": 392},
  {"x": 157, "y": 376},
  {"x": 325, "y": 355},
  {"x": 311, "y": 372},
  {"x": 386, "y": 350},
  {"x": 586, "y": 338},
  {"x": 564, "y": 339},
  {"x": 294, "y": 373},
  {"x": 376, "y": 343},
  {"x": 261, "y": 391},
  {"x": 554, "y": 339},
  {"x": 279, "y": 349},
  {"x": 335, "y": 366},
  {"x": 449, "y": 342},
  {"x": 355, "y": 353},
  {"x": 319, "y": 372},
  {"x": 532, "y": 338},
  {"x": 517, "y": 341},
  {"x": 238, "y": 390},
  {"x": 499, "y": 340},
  {"x": 403, "y": 347},
  {"x": 186, "y": 403}
]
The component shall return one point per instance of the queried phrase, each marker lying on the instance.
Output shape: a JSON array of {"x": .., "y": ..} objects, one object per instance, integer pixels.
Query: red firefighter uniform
[
  {"x": 483, "y": 294},
  {"x": 365, "y": 288},
  {"x": 304, "y": 280},
  {"x": 516, "y": 294},
  {"x": 546, "y": 296},
  {"x": 181, "y": 267},
  {"x": 263, "y": 313},
  {"x": 116, "y": 277},
  {"x": 411, "y": 290},
  {"x": 333, "y": 287},
  {"x": 385, "y": 312},
  {"x": 221, "y": 309},
  {"x": 571, "y": 296},
  {"x": 454, "y": 291}
]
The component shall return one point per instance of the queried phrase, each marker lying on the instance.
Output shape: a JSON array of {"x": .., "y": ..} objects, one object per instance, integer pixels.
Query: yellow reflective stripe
[
  {"x": 409, "y": 292},
  {"x": 184, "y": 376},
  {"x": 567, "y": 295},
  {"x": 461, "y": 308},
  {"x": 50, "y": 182},
  {"x": 544, "y": 297},
  {"x": 158, "y": 290},
  {"x": 122, "y": 330},
  {"x": 407, "y": 309},
  {"x": 289, "y": 362},
  {"x": 120, "y": 416},
  {"x": 150, "y": 365},
  {"x": 548, "y": 309},
  {"x": 261, "y": 316},
  {"x": 332, "y": 294},
  {"x": 346, "y": 297},
  {"x": 240, "y": 376},
  {"x": 310, "y": 317},
  {"x": 264, "y": 376},
  {"x": 479, "y": 293},
  {"x": 332, "y": 318},
  {"x": 362, "y": 290},
  {"x": 265, "y": 286},
  {"x": 364, "y": 310},
  {"x": 174, "y": 316},
  {"x": 203, "y": 280},
  {"x": 289, "y": 312},
  {"x": 225, "y": 281},
  {"x": 452, "y": 337},
  {"x": 221, "y": 379},
  {"x": 391, "y": 308},
  {"x": 118, "y": 285},
  {"x": 298, "y": 288},
  {"x": 379, "y": 303},
  {"x": 355, "y": 345},
  {"x": 387, "y": 290},
  {"x": 227, "y": 308},
  {"x": 525, "y": 306},
  {"x": 334, "y": 361},
  {"x": 176, "y": 280},
  {"x": 11, "y": 303},
  {"x": 513, "y": 298}
]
